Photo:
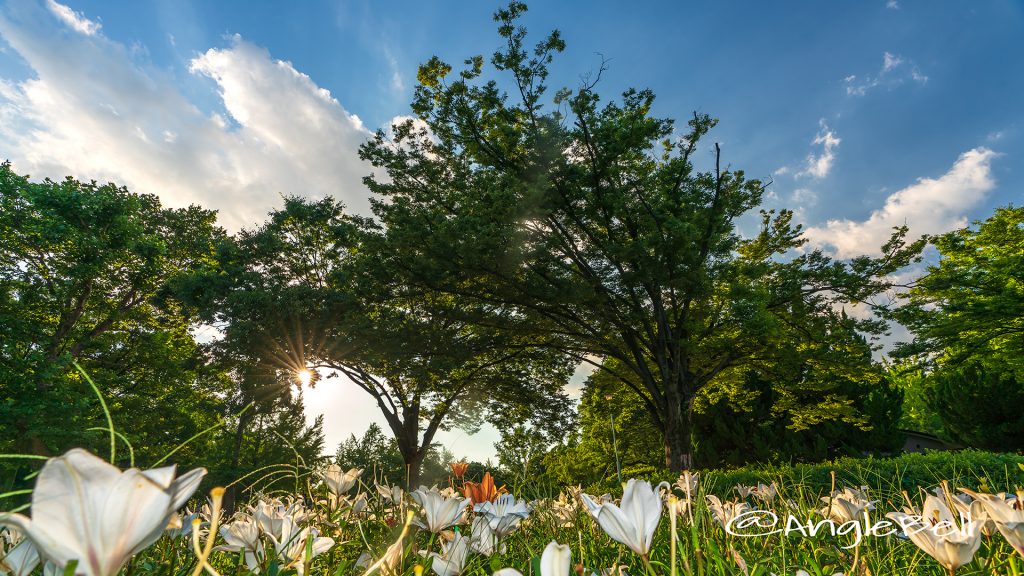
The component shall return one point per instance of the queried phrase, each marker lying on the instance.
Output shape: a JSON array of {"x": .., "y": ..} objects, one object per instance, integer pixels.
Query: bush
[
  {"x": 967, "y": 468},
  {"x": 975, "y": 469}
]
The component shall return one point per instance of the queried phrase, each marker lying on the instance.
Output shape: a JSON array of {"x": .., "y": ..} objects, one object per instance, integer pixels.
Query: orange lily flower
[
  {"x": 483, "y": 491},
  {"x": 459, "y": 469}
]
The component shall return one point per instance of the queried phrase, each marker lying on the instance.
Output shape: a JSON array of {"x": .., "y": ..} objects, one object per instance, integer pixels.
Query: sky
[{"x": 863, "y": 115}]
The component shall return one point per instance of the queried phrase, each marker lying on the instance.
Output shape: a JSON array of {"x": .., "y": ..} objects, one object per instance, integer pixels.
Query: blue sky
[{"x": 864, "y": 114}]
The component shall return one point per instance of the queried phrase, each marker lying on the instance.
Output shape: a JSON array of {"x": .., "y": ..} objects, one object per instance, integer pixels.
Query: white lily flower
[
  {"x": 452, "y": 559},
  {"x": 270, "y": 515},
  {"x": 725, "y": 512},
  {"x": 687, "y": 482},
  {"x": 291, "y": 547},
  {"x": 937, "y": 534},
  {"x": 633, "y": 522},
  {"x": 206, "y": 513},
  {"x": 88, "y": 510},
  {"x": 180, "y": 526},
  {"x": 765, "y": 492},
  {"x": 359, "y": 504},
  {"x": 593, "y": 505},
  {"x": 681, "y": 507},
  {"x": 351, "y": 506},
  {"x": 503, "y": 514},
  {"x": 969, "y": 509},
  {"x": 1008, "y": 515},
  {"x": 20, "y": 560},
  {"x": 482, "y": 539},
  {"x": 846, "y": 505},
  {"x": 243, "y": 534},
  {"x": 392, "y": 494},
  {"x": 561, "y": 510},
  {"x": 339, "y": 482},
  {"x": 806, "y": 573},
  {"x": 744, "y": 491},
  {"x": 556, "y": 560},
  {"x": 440, "y": 512}
]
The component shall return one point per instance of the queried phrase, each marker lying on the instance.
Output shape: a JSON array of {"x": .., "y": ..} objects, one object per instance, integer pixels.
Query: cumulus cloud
[
  {"x": 929, "y": 206},
  {"x": 895, "y": 71},
  {"x": 819, "y": 165},
  {"x": 96, "y": 110}
]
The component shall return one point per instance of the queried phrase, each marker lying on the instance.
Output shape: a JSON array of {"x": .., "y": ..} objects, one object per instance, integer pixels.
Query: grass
[{"x": 702, "y": 547}]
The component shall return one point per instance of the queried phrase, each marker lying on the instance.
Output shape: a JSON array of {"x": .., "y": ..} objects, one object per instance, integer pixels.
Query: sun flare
[{"x": 304, "y": 376}]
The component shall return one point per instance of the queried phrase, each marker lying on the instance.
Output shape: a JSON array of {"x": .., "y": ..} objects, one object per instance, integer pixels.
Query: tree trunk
[
  {"x": 408, "y": 437},
  {"x": 413, "y": 468},
  {"x": 412, "y": 457},
  {"x": 678, "y": 435}
]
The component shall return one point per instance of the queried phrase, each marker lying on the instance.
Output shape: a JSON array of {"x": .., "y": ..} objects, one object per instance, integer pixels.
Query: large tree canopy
[
  {"x": 83, "y": 268},
  {"x": 967, "y": 317},
  {"x": 970, "y": 304},
  {"x": 315, "y": 288},
  {"x": 593, "y": 230}
]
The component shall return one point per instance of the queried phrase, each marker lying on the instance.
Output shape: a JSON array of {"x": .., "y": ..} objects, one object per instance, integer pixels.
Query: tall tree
[
  {"x": 804, "y": 402},
  {"x": 313, "y": 289},
  {"x": 83, "y": 268},
  {"x": 970, "y": 304},
  {"x": 967, "y": 318},
  {"x": 593, "y": 227},
  {"x": 979, "y": 403}
]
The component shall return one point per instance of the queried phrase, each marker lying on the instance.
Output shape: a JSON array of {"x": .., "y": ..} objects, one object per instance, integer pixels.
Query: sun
[{"x": 304, "y": 376}]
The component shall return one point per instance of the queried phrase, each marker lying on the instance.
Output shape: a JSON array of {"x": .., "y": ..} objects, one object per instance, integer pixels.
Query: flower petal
[
  {"x": 618, "y": 527},
  {"x": 135, "y": 508},
  {"x": 555, "y": 560}
]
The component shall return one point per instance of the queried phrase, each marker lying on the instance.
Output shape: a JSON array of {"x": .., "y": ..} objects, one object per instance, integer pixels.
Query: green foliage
[
  {"x": 918, "y": 413},
  {"x": 970, "y": 305},
  {"x": 589, "y": 226},
  {"x": 83, "y": 272},
  {"x": 979, "y": 404},
  {"x": 591, "y": 457},
  {"x": 316, "y": 288},
  {"x": 763, "y": 417},
  {"x": 90, "y": 273},
  {"x": 758, "y": 429},
  {"x": 967, "y": 317},
  {"x": 973, "y": 469},
  {"x": 379, "y": 458},
  {"x": 519, "y": 452}
]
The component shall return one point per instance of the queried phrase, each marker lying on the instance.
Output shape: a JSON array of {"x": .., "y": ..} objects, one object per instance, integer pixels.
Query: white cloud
[
  {"x": 72, "y": 19},
  {"x": 396, "y": 83},
  {"x": 97, "y": 110},
  {"x": 929, "y": 206},
  {"x": 895, "y": 70},
  {"x": 890, "y": 61},
  {"x": 819, "y": 165},
  {"x": 892, "y": 5},
  {"x": 804, "y": 197}
]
